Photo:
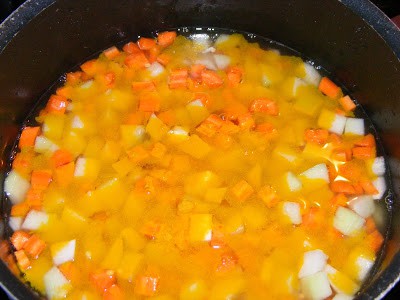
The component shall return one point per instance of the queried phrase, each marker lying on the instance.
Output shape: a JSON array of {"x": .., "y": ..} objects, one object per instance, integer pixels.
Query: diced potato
[
  {"x": 53, "y": 126},
  {"x": 86, "y": 168},
  {"x": 198, "y": 113},
  {"x": 63, "y": 252},
  {"x": 308, "y": 100},
  {"x": 194, "y": 290},
  {"x": 195, "y": 147},
  {"x": 133, "y": 241},
  {"x": 130, "y": 265},
  {"x": 228, "y": 288},
  {"x": 16, "y": 187},
  {"x": 197, "y": 183},
  {"x": 292, "y": 211},
  {"x": 44, "y": 145},
  {"x": 200, "y": 228},
  {"x": 75, "y": 221},
  {"x": 114, "y": 255},
  {"x": 292, "y": 182},
  {"x": 57, "y": 286},
  {"x": 132, "y": 135},
  {"x": 314, "y": 261},
  {"x": 332, "y": 121},
  {"x": 234, "y": 224},
  {"x": 317, "y": 172},
  {"x": 215, "y": 195},
  {"x": 156, "y": 128}
]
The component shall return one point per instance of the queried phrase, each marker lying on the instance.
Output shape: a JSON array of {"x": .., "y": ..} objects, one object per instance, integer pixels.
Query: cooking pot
[{"x": 352, "y": 39}]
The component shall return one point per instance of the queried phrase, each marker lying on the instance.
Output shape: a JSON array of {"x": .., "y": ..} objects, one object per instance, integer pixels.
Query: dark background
[{"x": 390, "y": 7}]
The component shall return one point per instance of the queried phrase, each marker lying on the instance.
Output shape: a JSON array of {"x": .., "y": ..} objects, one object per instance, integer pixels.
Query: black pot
[{"x": 352, "y": 39}]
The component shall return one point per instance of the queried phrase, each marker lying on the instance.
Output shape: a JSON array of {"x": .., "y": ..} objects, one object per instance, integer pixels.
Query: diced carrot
[
  {"x": 64, "y": 91},
  {"x": 211, "y": 79},
  {"x": 340, "y": 112},
  {"x": 64, "y": 174},
  {"x": 246, "y": 121},
  {"x": 90, "y": 67},
  {"x": 114, "y": 292},
  {"x": 370, "y": 225},
  {"x": 23, "y": 162},
  {"x": 61, "y": 157},
  {"x": 267, "y": 128},
  {"x": 364, "y": 152},
  {"x": 108, "y": 79},
  {"x": 374, "y": 240},
  {"x": 136, "y": 60},
  {"x": 268, "y": 195},
  {"x": 149, "y": 103},
  {"x": 135, "y": 118},
  {"x": 234, "y": 75},
  {"x": 34, "y": 197},
  {"x": 143, "y": 86},
  {"x": 195, "y": 71},
  {"x": 19, "y": 239},
  {"x": 111, "y": 52},
  {"x": 218, "y": 238},
  {"x": 57, "y": 104},
  {"x": 168, "y": 117},
  {"x": 146, "y": 43},
  {"x": 335, "y": 139},
  {"x": 74, "y": 77},
  {"x": 40, "y": 179},
  {"x": 178, "y": 78},
  {"x": 366, "y": 141},
  {"x": 352, "y": 170},
  {"x": 369, "y": 187},
  {"x": 28, "y": 136},
  {"x": 229, "y": 128},
  {"x": 150, "y": 229},
  {"x": 34, "y": 246},
  {"x": 358, "y": 188},
  {"x": 164, "y": 59},
  {"x": 22, "y": 259},
  {"x": 242, "y": 190},
  {"x": 312, "y": 218},
  {"x": 210, "y": 126},
  {"x": 264, "y": 105},
  {"x": 131, "y": 48},
  {"x": 20, "y": 209},
  {"x": 341, "y": 155},
  {"x": 339, "y": 200},
  {"x": 223, "y": 141},
  {"x": 332, "y": 172},
  {"x": 70, "y": 271},
  {"x": 228, "y": 262},
  {"x": 329, "y": 88},
  {"x": 146, "y": 285},
  {"x": 318, "y": 136},
  {"x": 347, "y": 103},
  {"x": 103, "y": 279},
  {"x": 341, "y": 186},
  {"x": 166, "y": 38}
]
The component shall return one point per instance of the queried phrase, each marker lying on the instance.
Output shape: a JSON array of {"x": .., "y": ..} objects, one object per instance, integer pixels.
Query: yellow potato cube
[
  {"x": 132, "y": 135},
  {"x": 156, "y": 128},
  {"x": 86, "y": 168},
  {"x": 193, "y": 290},
  {"x": 308, "y": 100},
  {"x": 215, "y": 195},
  {"x": 195, "y": 147},
  {"x": 200, "y": 228},
  {"x": 53, "y": 126},
  {"x": 114, "y": 255},
  {"x": 130, "y": 265}
]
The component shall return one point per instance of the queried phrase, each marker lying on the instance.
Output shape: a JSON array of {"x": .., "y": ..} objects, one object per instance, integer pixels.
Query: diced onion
[
  {"x": 319, "y": 171},
  {"x": 34, "y": 220},
  {"x": 16, "y": 187},
  {"x": 313, "y": 261},
  {"x": 363, "y": 205}
]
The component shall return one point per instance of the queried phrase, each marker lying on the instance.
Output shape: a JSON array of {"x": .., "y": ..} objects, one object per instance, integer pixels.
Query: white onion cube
[
  {"x": 319, "y": 171},
  {"x": 364, "y": 266},
  {"x": 347, "y": 221},
  {"x": 222, "y": 61},
  {"x": 43, "y": 144},
  {"x": 292, "y": 210},
  {"x": 380, "y": 184},
  {"x": 378, "y": 167},
  {"x": 179, "y": 131},
  {"x": 15, "y": 223},
  {"x": 363, "y": 205},
  {"x": 338, "y": 124},
  {"x": 63, "y": 252},
  {"x": 293, "y": 182},
  {"x": 312, "y": 75},
  {"x": 313, "y": 261},
  {"x": 296, "y": 84},
  {"x": 155, "y": 69},
  {"x": 342, "y": 297},
  {"x": 316, "y": 286},
  {"x": 56, "y": 285},
  {"x": 34, "y": 220},
  {"x": 16, "y": 187},
  {"x": 354, "y": 126}
]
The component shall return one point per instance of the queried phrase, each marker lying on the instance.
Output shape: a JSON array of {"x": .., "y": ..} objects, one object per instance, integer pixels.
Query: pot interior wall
[{"x": 326, "y": 31}]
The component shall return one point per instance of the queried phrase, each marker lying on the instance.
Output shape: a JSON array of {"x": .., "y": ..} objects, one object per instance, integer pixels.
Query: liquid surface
[{"x": 196, "y": 168}]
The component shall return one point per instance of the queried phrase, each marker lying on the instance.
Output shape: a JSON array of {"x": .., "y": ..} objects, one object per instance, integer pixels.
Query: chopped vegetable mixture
[{"x": 179, "y": 168}]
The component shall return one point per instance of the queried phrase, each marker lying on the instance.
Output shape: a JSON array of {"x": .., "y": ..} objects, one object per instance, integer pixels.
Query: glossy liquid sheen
[{"x": 173, "y": 207}]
